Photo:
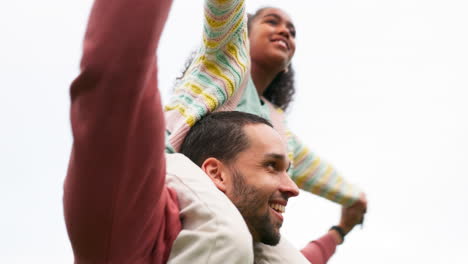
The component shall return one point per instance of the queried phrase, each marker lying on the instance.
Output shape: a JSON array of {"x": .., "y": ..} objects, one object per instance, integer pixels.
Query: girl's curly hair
[{"x": 281, "y": 90}]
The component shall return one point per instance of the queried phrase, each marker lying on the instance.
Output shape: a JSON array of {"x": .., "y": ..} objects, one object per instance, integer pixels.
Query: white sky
[{"x": 381, "y": 93}]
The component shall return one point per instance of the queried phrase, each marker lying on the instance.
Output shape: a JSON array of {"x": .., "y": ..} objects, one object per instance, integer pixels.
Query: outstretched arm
[
  {"x": 218, "y": 73},
  {"x": 320, "y": 250},
  {"x": 312, "y": 174},
  {"x": 115, "y": 202}
]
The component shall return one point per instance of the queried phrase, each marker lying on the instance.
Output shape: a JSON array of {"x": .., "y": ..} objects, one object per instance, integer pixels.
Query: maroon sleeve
[
  {"x": 320, "y": 250},
  {"x": 117, "y": 208}
]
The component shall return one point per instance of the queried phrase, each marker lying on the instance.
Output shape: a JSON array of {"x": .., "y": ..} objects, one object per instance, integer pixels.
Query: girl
[{"x": 227, "y": 75}]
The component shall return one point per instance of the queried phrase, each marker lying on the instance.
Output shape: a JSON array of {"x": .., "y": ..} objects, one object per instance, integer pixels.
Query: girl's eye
[{"x": 292, "y": 32}]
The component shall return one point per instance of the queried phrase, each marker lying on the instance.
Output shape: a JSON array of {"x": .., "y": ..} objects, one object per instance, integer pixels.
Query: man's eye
[
  {"x": 270, "y": 165},
  {"x": 272, "y": 22}
]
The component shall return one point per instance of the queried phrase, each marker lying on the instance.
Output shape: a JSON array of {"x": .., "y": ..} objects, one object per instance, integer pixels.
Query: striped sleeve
[
  {"x": 314, "y": 175},
  {"x": 217, "y": 75}
]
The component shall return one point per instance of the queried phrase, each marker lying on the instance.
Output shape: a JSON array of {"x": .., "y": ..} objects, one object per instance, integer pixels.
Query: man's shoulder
[{"x": 213, "y": 229}]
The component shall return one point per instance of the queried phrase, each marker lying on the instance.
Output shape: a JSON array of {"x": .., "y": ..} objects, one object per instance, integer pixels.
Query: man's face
[{"x": 260, "y": 186}]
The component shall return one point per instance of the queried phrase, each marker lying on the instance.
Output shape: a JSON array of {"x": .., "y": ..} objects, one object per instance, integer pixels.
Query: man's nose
[{"x": 288, "y": 186}]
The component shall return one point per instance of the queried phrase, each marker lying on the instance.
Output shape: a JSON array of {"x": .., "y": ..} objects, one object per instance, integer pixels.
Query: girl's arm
[
  {"x": 216, "y": 78},
  {"x": 313, "y": 174}
]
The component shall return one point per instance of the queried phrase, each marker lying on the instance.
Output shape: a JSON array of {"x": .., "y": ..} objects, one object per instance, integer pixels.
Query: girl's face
[{"x": 272, "y": 39}]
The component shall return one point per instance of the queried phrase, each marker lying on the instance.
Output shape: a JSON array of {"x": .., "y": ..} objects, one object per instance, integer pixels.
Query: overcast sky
[{"x": 381, "y": 94}]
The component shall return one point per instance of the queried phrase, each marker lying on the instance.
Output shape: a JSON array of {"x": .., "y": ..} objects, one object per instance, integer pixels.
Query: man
[
  {"x": 116, "y": 205},
  {"x": 246, "y": 160}
]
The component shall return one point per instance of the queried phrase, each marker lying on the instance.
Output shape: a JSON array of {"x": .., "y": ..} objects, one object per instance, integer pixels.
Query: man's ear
[{"x": 215, "y": 169}]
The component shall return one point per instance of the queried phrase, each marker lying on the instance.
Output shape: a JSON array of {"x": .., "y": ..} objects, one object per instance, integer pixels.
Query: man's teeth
[{"x": 278, "y": 207}]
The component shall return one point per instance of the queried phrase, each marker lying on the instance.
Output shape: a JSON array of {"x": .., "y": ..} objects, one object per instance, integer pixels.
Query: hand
[
  {"x": 353, "y": 215},
  {"x": 362, "y": 202},
  {"x": 350, "y": 217}
]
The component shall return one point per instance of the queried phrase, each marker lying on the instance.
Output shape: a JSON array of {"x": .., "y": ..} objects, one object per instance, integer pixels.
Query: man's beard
[{"x": 249, "y": 201}]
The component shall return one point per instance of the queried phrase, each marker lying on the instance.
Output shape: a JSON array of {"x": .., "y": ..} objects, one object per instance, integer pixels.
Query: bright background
[{"x": 381, "y": 93}]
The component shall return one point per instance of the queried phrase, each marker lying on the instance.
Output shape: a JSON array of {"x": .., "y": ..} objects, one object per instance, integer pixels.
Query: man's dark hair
[{"x": 219, "y": 135}]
